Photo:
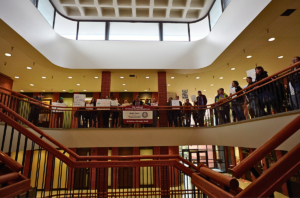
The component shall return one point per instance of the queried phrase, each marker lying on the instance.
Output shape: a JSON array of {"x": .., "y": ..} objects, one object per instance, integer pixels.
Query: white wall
[
  {"x": 26, "y": 20},
  {"x": 249, "y": 134}
]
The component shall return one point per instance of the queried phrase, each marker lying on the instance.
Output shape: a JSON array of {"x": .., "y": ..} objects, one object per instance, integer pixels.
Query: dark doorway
[
  {"x": 125, "y": 173},
  {"x": 197, "y": 157},
  {"x": 81, "y": 175}
]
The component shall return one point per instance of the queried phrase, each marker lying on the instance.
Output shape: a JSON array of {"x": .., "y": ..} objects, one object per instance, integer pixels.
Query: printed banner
[
  {"x": 57, "y": 109},
  {"x": 137, "y": 114},
  {"x": 103, "y": 103}
]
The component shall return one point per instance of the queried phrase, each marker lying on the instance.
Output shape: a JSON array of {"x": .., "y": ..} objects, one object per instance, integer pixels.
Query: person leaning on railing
[
  {"x": 201, "y": 101},
  {"x": 223, "y": 107},
  {"x": 93, "y": 115},
  {"x": 35, "y": 109},
  {"x": 187, "y": 111},
  {"x": 294, "y": 86},
  {"x": 216, "y": 112},
  {"x": 155, "y": 113},
  {"x": 238, "y": 102},
  {"x": 171, "y": 114},
  {"x": 178, "y": 113},
  {"x": 252, "y": 98}
]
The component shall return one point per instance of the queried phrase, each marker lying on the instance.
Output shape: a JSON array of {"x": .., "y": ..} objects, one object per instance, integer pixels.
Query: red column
[
  {"x": 226, "y": 158},
  {"x": 155, "y": 95},
  {"x": 284, "y": 186},
  {"x": 54, "y": 117},
  {"x": 71, "y": 175},
  {"x": 6, "y": 82},
  {"x": 102, "y": 174},
  {"x": 164, "y": 174},
  {"x": 174, "y": 177},
  {"x": 156, "y": 151},
  {"x": 27, "y": 163},
  {"x": 115, "y": 178},
  {"x": 116, "y": 95},
  {"x": 105, "y": 85},
  {"x": 162, "y": 97},
  {"x": 136, "y": 173},
  {"x": 93, "y": 170},
  {"x": 134, "y": 94}
]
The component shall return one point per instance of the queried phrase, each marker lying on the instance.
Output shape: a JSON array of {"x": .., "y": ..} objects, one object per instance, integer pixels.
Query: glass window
[
  {"x": 225, "y": 3},
  {"x": 199, "y": 30},
  {"x": 134, "y": 31},
  {"x": 91, "y": 31},
  {"x": 47, "y": 10},
  {"x": 65, "y": 27},
  {"x": 215, "y": 13},
  {"x": 175, "y": 32}
]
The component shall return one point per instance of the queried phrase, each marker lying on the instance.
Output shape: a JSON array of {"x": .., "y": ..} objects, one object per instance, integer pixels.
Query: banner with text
[{"x": 137, "y": 115}]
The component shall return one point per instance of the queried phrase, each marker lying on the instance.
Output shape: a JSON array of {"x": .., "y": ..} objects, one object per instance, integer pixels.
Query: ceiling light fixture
[
  {"x": 43, "y": 90},
  {"x": 78, "y": 84},
  {"x": 124, "y": 84},
  {"x": 147, "y": 76},
  {"x": 204, "y": 90},
  {"x": 125, "y": 90},
  {"x": 31, "y": 84},
  {"x": 221, "y": 77},
  {"x": 64, "y": 90},
  {"x": 244, "y": 78},
  {"x": 169, "y": 85},
  {"x": 232, "y": 69},
  {"x": 7, "y": 54},
  {"x": 122, "y": 77},
  {"x": 249, "y": 56},
  {"x": 271, "y": 39},
  {"x": 17, "y": 77},
  {"x": 280, "y": 56},
  {"x": 44, "y": 77},
  {"x": 212, "y": 85},
  {"x": 197, "y": 77},
  {"x": 29, "y": 68},
  {"x": 22, "y": 90},
  {"x": 70, "y": 77},
  {"x": 146, "y": 90},
  {"x": 84, "y": 90},
  {"x": 96, "y": 76},
  {"x": 172, "y": 77}
]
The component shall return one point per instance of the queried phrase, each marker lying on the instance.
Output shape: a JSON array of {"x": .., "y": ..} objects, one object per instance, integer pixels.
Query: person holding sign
[
  {"x": 35, "y": 109},
  {"x": 238, "y": 102},
  {"x": 171, "y": 116},
  {"x": 92, "y": 114},
  {"x": 137, "y": 101},
  {"x": 115, "y": 113},
  {"x": 201, "y": 103}
]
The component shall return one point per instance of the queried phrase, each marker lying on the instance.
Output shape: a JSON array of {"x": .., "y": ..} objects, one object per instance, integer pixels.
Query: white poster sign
[
  {"x": 154, "y": 104},
  {"x": 57, "y": 109},
  {"x": 232, "y": 91},
  {"x": 175, "y": 103},
  {"x": 114, "y": 103},
  {"x": 89, "y": 105},
  {"x": 103, "y": 103},
  {"x": 79, "y": 100},
  {"x": 193, "y": 98},
  {"x": 251, "y": 73},
  {"x": 185, "y": 94}
]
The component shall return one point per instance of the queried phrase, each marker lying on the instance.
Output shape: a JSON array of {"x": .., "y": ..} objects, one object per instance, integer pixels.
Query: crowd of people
[{"x": 274, "y": 97}]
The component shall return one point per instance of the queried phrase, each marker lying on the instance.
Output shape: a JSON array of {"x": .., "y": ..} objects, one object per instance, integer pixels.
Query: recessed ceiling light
[
  {"x": 249, "y": 56},
  {"x": 212, "y": 85},
  {"x": 122, "y": 77},
  {"x": 64, "y": 90},
  {"x": 70, "y": 77},
  {"x": 271, "y": 39},
  {"x": 124, "y": 84},
  {"x": 147, "y": 76},
  {"x": 78, "y": 84},
  {"x": 169, "y": 85},
  {"x": 96, "y": 76},
  {"x": 125, "y": 90},
  {"x": 29, "y": 68},
  {"x": 7, "y": 54},
  {"x": 197, "y": 77},
  {"x": 280, "y": 56},
  {"x": 244, "y": 78},
  {"x": 232, "y": 69},
  {"x": 43, "y": 90},
  {"x": 204, "y": 90},
  {"x": 17, "y": 77},
  {"x": 44, "y": 77},
  {"x": 146, "y": 90},
  {"x": 172, "y": 77},
  {"x": 221, "y": 77},
  {"x": 31, "y": 84},
  {"x": 84, "y": 90},
  {"x": 22, "y": 90}
]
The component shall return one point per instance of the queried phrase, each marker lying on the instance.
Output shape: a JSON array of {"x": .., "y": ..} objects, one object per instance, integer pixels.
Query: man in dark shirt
[
  {"x": 35, "y": 109},
  {"x": 201, "y": 101}
]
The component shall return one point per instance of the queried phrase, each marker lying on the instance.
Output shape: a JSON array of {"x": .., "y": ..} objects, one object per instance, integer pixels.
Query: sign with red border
[{"x": 139, "y": 114}]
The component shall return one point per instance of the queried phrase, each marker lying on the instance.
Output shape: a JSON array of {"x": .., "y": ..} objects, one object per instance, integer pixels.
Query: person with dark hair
[
  {"x": 60, "y": 114},
  {"x": 216, "y": 112},
  {"x": 35, "y": 109},
  {"x": 106, "y": 115},
  {"x": 294, "y": 86},
  {"x": 201, "y": 103},
  {"x": 137, "y": 101},
  {"x": 253, "y": 107},
  {"x": 187, "y": 111},
  {"x": 92, "y": 115},
  {"x": 171, "y": 116},
  {"x": 115, "y": 116},
  {"x": 223, "y": 108},
  {"x": 178, "y": 113},
  {"x": 238, "y": 102}
]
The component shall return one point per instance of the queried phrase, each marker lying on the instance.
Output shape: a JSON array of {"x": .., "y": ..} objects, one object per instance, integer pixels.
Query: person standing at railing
[
  {"x": 171, "y": 116},
  {"x": 294, "y": 85},
  {"x": 59, "y": 115},
  {"x": 35, "y": 109},
  {"x": 155, "y": 113},
  {"x": 178, "y": 113},
  {"x": 137, "y": 101},
  {"x": 187, "y": 111},
  {"x": 216, "y": 112},
  {"x": 92, "y": 114},
  {"x": 106, "y": 115},
  {"x": 115, "y": 116},
  {"x": 223, "y": 107},
  {"x": 201, "y": 103},
  {"x": 238, "y": 102},
  {"x": 253, "y": 107}
]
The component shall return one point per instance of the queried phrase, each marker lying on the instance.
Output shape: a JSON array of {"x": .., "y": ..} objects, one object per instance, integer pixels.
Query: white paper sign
[
  {"x": 175, "y": 103},
  {"x": 193, "y": 98},
  {"x": 114, "y": 103},
  {"x": 251, "y": 73},
  {"x": 185, "y": 94},
  {"x": 78, "y": 104},
  {"x": 89, "y": 105},
  {"x": 57, "y": 109},
  {"x": 103, "y": 103},
  {"x": 154, "y": 104},
  {"x": 232, "y": 91},
  {"x": 79, "y": 100}
]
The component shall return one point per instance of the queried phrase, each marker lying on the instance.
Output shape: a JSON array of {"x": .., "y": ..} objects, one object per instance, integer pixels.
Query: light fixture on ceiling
[
  {"x": 125, "y": 90},
  {"x": 84, "y": 90},
  {"x": 17, "y": 77},
  {"x": 280, "y": 56},
  {"x": 96, "y": 76},
  {"x": 124, "y": 84},
  {"x": 232, "y": 69},
  {"x": 244, "y": 78},
  {"x": 44, "y": 77},
  {"x": 122, "y": 77},
  {"x": 169, "y": 85},
  {"x": 172, "y": 77},
  {"x": 147, "y": 76},
  {"x": 271, "y": 39},
  {"x": 197, "y": 78},
  {"x": 70, "y": 77},
  {"x": 212, "y": 85},
  {"x": 43, "y": 90},
  {"x": 32, "y": 85},
  {"x": 78, "y": 84},
  {"x": 146, "y": 90},
  {"x": 204, "y": 90},
  {"x": 64, "y": 90},
  {"x": 221, "y": 77},
  {"x": 29, "y": 68},
  {"x": 7, "y": 54},
  {"x": 249, "y": 56},
  {"x": 22, "y": 90}
]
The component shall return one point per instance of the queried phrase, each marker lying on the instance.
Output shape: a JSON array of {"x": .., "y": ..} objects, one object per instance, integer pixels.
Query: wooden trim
[{"x": 8, "y": 161}]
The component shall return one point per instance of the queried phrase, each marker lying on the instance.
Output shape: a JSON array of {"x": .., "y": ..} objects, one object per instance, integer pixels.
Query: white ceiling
[{"x": 134, "y": 10}]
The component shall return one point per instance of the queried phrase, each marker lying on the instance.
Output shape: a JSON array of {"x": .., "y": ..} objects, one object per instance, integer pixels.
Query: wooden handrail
[
  {"x": 8, "y": 161},
  {"x": 8, "y": 177},
  {"x": 266, "y": 148}
]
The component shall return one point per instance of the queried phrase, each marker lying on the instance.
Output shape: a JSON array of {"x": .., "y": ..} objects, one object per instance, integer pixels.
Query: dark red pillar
[{"x": 162, "y": 98}]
